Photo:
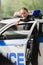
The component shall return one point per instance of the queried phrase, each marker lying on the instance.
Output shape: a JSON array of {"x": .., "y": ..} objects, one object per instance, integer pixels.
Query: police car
[{"x": 13, "y": 43}]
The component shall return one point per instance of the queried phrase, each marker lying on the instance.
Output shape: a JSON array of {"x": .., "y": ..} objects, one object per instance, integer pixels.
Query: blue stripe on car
[
  {"x": 40, "y": 39},
  {"x": 2, "y": 43}
]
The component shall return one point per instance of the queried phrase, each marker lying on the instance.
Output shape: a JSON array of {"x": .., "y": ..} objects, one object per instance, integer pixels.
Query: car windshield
[{"x": 11, "y": 33}]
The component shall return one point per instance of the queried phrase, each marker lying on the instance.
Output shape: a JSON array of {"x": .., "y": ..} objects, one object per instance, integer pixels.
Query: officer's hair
[{"x": 25, "y": 9}]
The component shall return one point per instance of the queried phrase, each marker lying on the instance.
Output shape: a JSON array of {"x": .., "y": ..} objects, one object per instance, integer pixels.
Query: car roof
[{"x": 8, "y": 21}]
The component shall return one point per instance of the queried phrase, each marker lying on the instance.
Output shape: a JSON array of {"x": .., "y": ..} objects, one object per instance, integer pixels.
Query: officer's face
[{"x": 24, "y": 13}]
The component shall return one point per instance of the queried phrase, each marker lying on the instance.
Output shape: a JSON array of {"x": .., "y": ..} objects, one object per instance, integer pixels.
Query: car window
[
  {"x": 2, "y": 25},
  {"x": 41, "y": 28},
  {"x": 11, "y": 34}
]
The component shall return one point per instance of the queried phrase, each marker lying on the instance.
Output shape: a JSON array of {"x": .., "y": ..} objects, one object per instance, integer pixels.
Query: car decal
[
  {"x": 2, "y": 43},
  {"x": 13, "y": 42}
]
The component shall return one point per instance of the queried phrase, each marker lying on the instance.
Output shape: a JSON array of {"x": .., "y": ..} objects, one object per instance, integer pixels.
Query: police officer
[
  {"x": 35, "y": 48},
  {"x": 25, "y": 15}
]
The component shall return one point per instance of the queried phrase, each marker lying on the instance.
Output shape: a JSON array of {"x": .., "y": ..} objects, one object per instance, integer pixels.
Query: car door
[
  {"x": 13, "y": 43},
  {"x": 13, "y": 46},
  {"x": 40, "y": 39}
]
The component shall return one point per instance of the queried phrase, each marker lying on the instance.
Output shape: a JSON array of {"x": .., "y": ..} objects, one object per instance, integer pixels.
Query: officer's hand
[{"x": 17, "y": 22}]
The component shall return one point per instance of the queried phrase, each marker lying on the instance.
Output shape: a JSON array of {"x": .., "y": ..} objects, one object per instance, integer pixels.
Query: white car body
[{"x": 15, "y": 49}]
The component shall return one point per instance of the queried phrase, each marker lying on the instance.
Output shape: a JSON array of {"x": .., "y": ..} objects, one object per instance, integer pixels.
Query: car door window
[
  {"x": 11, "y": 34},
  {"x": 41, "y": 29}
]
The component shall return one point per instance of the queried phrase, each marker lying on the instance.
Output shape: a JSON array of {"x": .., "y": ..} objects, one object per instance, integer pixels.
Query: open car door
[{"x": 13, "y": 43}]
